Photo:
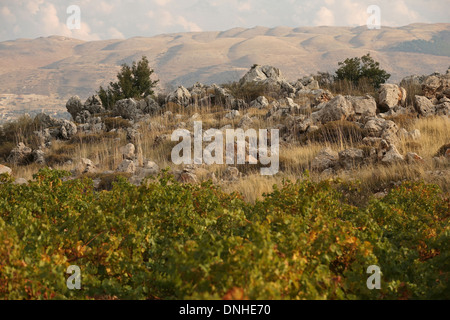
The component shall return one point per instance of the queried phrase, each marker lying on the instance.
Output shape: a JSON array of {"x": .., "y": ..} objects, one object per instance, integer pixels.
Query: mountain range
[{"x": 58, "y": 67}]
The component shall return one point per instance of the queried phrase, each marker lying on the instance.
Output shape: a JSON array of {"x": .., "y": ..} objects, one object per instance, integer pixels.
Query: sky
[{"x": 118, "y": 19}]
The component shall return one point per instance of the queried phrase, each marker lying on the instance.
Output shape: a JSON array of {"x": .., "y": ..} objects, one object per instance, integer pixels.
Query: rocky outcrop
[
  {"x": 266, "y": 74},
  {"x": 351, "y": 158},
  {"x": 338, "y": 108},
  {"x": 424, "y": 106},
  {"x": 364, "y": 107},
  {"x": 180, "y": 96},
  {"x": 21, "y": 154},
  {"x": 127, "y": 109},
  {"x": 260, "y": 103},
  {"x": 55, "y": 128},
  {"x": 81, "y": 113},
  {"x": 391, "y": 96},
  {"x": 127, "y": 166},
  {"x": 326, "y": 159},
  {"x": 392, "y": 156},
  {"x": 436, "y": 86}
]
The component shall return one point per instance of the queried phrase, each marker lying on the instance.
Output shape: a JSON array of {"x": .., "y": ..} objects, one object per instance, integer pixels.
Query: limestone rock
[
  {"x": 128, "y": 151},
  {"x": 363, "y": 106},
  {"x": 424, "y": 106},
  {"x": 390, "y": 96},
  {"x": 127, "y": 166},
  {"x": 5, "y": 169},
  {"x": 327, "y": 158},
  {"x": 180, "y": 96},
  {"x": 393, "y": 156},
  {"x": 260, "y": 103},
  {"x": 21, "y": 154},
  {"x": 127, "y": 109},
  {"x": 351, "y": 158},
  {"x": 339, "y": 108}
]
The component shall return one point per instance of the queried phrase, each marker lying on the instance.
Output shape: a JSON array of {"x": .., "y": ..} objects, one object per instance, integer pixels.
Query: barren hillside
[{"x": 61, "y": 67}]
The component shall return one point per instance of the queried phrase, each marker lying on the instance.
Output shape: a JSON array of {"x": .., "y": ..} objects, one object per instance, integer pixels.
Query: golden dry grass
[{"x": 295, "y": 158}]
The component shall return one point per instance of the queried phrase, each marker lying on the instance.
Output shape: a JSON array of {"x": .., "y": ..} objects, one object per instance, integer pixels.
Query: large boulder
[
  {"x": 93, "y": 105},
  {"x": 261, "y": 74},
  {"x": 127, "y": 109},
  {"x": 351, "y": 158},
  {"x": 364, "y": 106},
  {"x": 149, "y": 106},
  {"x": 326, "y": 158},
  {"x": 392, "y": 156},
  {"x": 436, "y": 86},
  {"x": 260, "y": 103},
  {"x": 67, "y": 130},
  {"x": 74, "y": 106},
  {"x": 391, "y": 96},
  {"x": 339, "y": 108},
  {"x": 81, "y": 113},
  {"x": 127, "y": 166},
  {"x": 424, "y": 106},
  {"x": 180, "y": 96}
]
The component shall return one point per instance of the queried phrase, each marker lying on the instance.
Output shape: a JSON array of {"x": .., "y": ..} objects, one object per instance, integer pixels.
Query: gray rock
[
  {"x": 392, "y": 156},
  {"x": 327, "y": 158},
  {"x": 39, "y": 156},
  {"x": 21, "y": 154},
  {"x": 127, "y": 109},
  {"x": 245, "y": 122},
  {"x": 262, "y": 73},
  {"x": 260, "y": 103},
  {"x": 20, "y": 181},
  {"x": 94, "y": 105},
  {"x": 390, "y": 96},
  {"x": 424, "y": 106},
  {"x": 127, "y": 166},
  {"x": 339, "y": 108},
  {"x": 351, "y": 158},
  {"x": 180, "y": 96},
  {"x": 232, "y": 115},
  {"x": 74, "y": 106},
  {"x": 128, "y": 151},
  {"x": 363, "y": 106}
]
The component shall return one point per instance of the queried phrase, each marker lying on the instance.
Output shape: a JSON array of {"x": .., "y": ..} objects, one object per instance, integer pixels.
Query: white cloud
[{"x": 324, "y": 17}]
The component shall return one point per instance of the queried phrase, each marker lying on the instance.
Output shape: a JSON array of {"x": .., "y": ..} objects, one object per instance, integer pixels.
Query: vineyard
[{"x": 166, "y": 240}]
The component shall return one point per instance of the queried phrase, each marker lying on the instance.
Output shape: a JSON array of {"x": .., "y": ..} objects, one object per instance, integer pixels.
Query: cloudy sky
[{"x": 105, "y": 19}]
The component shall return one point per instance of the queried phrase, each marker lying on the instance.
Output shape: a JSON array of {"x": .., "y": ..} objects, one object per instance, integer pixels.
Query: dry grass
[{"x": 295, "y": 158}]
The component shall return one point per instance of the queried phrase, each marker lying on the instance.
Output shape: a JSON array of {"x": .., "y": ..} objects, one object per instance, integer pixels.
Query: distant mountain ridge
[{"x": 61, "y": 67}]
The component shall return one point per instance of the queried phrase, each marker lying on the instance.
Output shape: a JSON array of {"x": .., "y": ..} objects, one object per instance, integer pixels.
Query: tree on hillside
[
  {"x": 356, "y": 69},
  {"x": 133, "y": 82}
]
